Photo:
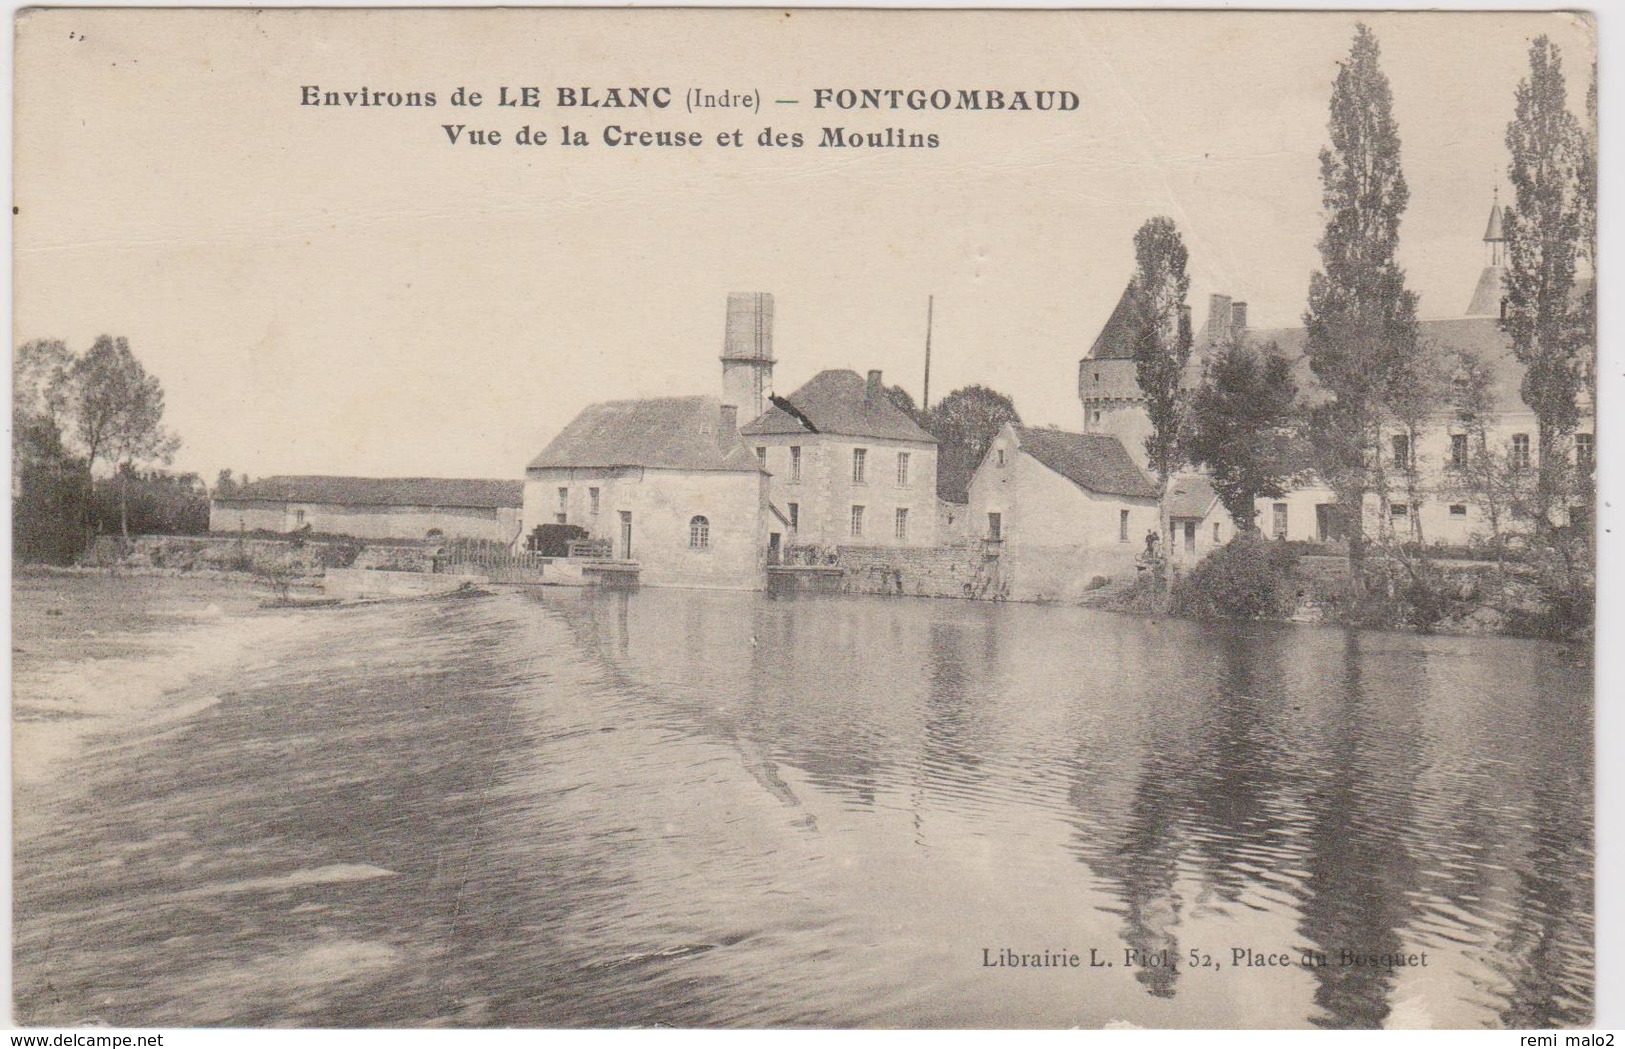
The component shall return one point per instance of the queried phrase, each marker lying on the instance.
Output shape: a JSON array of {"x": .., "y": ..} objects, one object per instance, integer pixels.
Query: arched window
[{"x": 699, "y": 534}]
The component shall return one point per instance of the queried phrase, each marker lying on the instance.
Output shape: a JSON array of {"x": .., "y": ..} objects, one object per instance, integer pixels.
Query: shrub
[{"x": 1249, "y": 578}]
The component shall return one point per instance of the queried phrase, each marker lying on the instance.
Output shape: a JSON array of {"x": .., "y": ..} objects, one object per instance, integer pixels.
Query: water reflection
[
  {"x": 1217, "y": 771},
  {"x": 1356, "y": 897},
  {"x": 711, "y": 808}
]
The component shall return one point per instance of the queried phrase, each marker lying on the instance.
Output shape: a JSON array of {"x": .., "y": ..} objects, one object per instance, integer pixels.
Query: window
[
  {"x": 902, "y": 469},
  {"x": 1215, "y": 531},
  {"x": 761, "y": 456},
  {"x": 857, "y": 522},
  {"x": 1520, "y": 451},
  {"x": 1279, "y": 529},
  {"x": 562, "y": 516},
  {"x": 1458, "y": 451},
  {"x": 1097, "y": 376},
  {"x": 902, "y": 523},
  {"x": 1583, "y": 450},
  {"x": 1096, "y": 415},
  {"x": 1402, "y": 451},
  {"x": 592, "y": 499},
  {"x": 1458, "y": 509},
  {"x": 1398, "y": 510},
  {"x": 795, "y": 516},
  {"x": 299, "y": 517},
  {"x": 795, "y": 463},
  {"x": 859, "y": 455},
  {"x": 1122, "y": 526},
  {"x": 699, "y": 533},
  {"x": 995, "y": 526}
]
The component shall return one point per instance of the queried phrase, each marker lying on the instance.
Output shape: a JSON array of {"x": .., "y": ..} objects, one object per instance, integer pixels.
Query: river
[{"x": 580, "y": 808}]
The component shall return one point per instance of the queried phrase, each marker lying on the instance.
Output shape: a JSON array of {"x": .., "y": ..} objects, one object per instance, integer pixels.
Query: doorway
[{"x": 773, "y": 548}]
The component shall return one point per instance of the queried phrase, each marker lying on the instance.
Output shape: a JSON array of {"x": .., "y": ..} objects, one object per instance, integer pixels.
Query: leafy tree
[
  {"x": 225, "y": 485},
  {"x": 118, "y": 411},
  {"x": 1241, "y": 428},
  {"x": 964, "y": 424},
  {"x": 1494, "y": 478},
  {"x": 47, "y": 498},
  {"x": 1415, "y": 389},
  {"x": 1162, "y": 343},
  {"x": 1545, "y": 228},
  {"x": 903, "y": 401},
  {"x": 1360, "y": 334}
]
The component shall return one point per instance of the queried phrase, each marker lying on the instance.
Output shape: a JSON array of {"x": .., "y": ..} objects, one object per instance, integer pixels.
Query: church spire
[
  {"x": 1488, "y": 295},
  {"x": 1494, "y": 235}
]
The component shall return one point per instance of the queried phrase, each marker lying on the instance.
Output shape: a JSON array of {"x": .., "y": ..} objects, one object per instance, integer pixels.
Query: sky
[{"x": 341, "y": 290}]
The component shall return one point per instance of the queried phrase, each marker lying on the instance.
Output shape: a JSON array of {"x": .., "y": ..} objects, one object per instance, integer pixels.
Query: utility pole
[{"x": 925, "y": 399}]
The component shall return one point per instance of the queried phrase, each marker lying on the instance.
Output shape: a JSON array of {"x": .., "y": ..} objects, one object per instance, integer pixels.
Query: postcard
[{"x": 785, "y": 518}]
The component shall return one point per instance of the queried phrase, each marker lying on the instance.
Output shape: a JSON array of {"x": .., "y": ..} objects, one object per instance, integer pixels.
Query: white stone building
[{"x": 1445, "y": 512}]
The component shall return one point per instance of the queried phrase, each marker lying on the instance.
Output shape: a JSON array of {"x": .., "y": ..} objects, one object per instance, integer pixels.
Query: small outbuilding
[
  {"x": 1197, "y": 521},
  {"x": 1064, "y": 511},
  {"x": 373, "y": 507}
]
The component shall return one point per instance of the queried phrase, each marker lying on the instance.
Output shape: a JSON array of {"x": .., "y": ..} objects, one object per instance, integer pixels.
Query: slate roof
[
  {"x": 668, "y": 433},
  {"x": 1488, "y": 294},
  {"x": 383, "y": 491},
  {"x": 835, "y": 402},
  {"x": 1095, "y": 461},
  {"x": 1190, "y": 495},
  {"x": 1116, "y": 339},
  {"x": 1481, "y": 336}
]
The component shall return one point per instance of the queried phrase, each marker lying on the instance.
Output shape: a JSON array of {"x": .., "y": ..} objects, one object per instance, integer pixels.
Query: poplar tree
[
  {"x": 1240, "y": 428},
  {"x": 1360, "y": 327},
  {"x": 1545, "y": 228},
  {"x": 1162, "y": 343}
]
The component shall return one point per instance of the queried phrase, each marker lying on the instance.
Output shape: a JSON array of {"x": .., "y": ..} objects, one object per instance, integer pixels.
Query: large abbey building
[{"x": 1114, "y": 404}]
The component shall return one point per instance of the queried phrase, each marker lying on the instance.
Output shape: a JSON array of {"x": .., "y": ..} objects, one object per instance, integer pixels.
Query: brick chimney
[
  {"x": 730, "y": 423},
  {"x": 1218, "y": 316},
  {"x": 747, "y": 351},
  {"x": 1238, "y": 320},
  {"x": 872, "y": 388}
]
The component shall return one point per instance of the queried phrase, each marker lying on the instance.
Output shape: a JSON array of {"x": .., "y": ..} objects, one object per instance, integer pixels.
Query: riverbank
[{"x": 1443, "y": 595}]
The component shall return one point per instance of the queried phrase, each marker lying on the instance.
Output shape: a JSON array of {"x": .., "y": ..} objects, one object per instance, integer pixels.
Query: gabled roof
[
  {"x": 1116, "y": 338},
  {"x": 1481, "y": 336},
  {"x": 668, "y": 433},
  {"x": 1190, "y": 495},
  {"x": 384, "y": 491},
  {"x": 837, "y": 402},
  {"x": 1095, "y": 461}
]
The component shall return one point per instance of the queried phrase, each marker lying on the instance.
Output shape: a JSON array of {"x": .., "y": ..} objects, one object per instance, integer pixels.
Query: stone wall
[
  {"x": 240, "y": 554},
  {"x": 961, "y": 570}
]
